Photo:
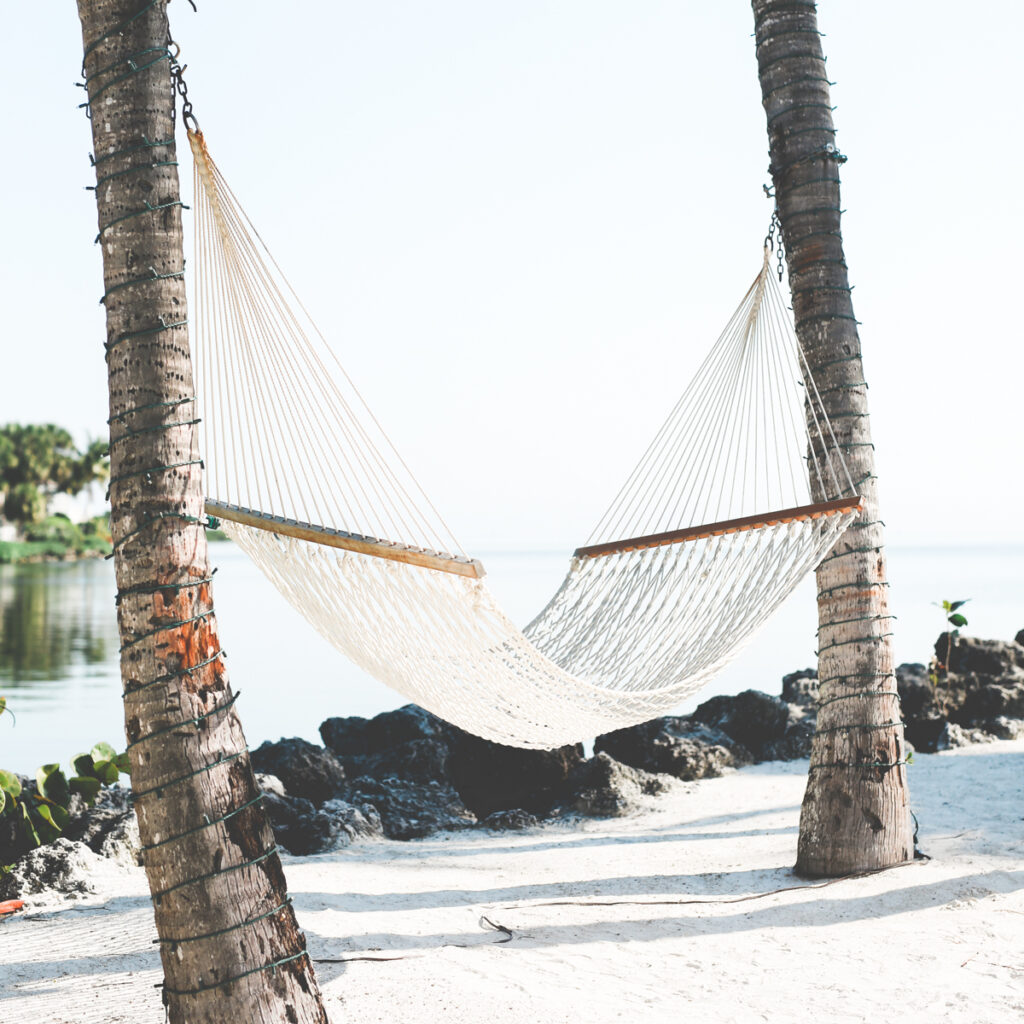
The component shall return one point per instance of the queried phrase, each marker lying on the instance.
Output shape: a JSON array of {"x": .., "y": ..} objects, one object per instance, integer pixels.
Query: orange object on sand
[{"x": 10, "y": 907}]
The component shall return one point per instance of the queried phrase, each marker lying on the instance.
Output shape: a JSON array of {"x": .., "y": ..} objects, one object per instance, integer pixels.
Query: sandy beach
[{"x": 688, "y": 910}]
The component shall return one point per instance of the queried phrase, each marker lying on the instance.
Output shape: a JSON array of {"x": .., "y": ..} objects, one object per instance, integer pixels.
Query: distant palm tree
[
  {"x": 230, "y": 944},
  {"x": 855, "y": 810},
  {"x": 40, "y": 460}
]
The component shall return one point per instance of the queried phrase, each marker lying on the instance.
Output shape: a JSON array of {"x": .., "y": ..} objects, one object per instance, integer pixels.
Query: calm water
[{"x": 59, "y": 667}]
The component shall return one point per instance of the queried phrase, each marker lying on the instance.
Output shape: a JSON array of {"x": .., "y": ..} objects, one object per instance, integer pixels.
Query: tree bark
[
  {"x": 230, "y": 945},
  {"x": 855, "y": 813}
]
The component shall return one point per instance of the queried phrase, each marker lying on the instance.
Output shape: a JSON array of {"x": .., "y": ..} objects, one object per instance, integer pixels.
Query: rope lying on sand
[
  {"x": 486, "y": 922},
  {"x": 734, "y": 899}
]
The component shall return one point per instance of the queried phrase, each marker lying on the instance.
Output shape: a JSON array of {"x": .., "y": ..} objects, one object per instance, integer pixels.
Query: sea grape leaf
[
  {"x": 53, "y": 784},
  {"x": 9, "y": 783},
  {"x": 86, "y": 786},
  {"x": 953, "y": 605},
  {"x": 958, "y": 620},
  {"x": 123, "y": 763},
  {"x": 46, "y": 827},
  {"x": 103, "y": 752},
  {"x": 27, "y": 827},
  {"x": 82, "y": 763},
  {"x": 56, "y": 816},
  {"x": 106, "y": 772}
]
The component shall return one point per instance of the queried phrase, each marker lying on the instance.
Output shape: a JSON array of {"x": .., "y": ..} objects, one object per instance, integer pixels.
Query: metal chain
[
  {"x": 773, "y": 240},
  {"x": 188, "y": 119}
]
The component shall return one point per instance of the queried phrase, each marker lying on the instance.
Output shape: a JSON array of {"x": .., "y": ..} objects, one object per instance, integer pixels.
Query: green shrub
[
  {"x": 98, "y": 526},
  {"x": 58, "y": 537},
  {"x": 27, "y": 551},
  {"x": 56, "y": 529},
  {"x": 38, "y": 817}
]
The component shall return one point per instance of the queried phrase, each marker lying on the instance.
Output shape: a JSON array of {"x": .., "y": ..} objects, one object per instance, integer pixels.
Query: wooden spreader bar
[
  {"x": 457, "y": 564},
  {"x": 785, "y": 515}
]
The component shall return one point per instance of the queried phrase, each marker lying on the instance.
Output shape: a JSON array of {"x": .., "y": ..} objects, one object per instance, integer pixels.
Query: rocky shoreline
[{"x": 406, "y": 773}]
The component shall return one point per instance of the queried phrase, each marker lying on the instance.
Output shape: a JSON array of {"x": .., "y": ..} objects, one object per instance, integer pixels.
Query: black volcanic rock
[
  {"x": 64, "y": 866},
  {"x": 801, "y": 687},
  {"x": 971, "y": 655},
  {"x": 796, "y": 738},
  {"x": 675, "y": 746},
  {"x": 514, "y": 820},
  {"x": 493, "y": 777},
  {"x": 410, "y": 810},
  {"x": 424, "y": 760},
  {"x": 602, "y": 787},
  {"x": 414, "y": 746},
  {"x": 354, "y": 737},
  {"x": 109, "y": 827},
  {"x": 345, "y": 737},
  {"x": 753, "y": 719},
  {"x": 977, "y": 697},
  {"x": 408, "y": 743},
  {"x": 305, "y": 769},
  {"x": 302, "y": 829},
  {"x": 916, "y": 690}
]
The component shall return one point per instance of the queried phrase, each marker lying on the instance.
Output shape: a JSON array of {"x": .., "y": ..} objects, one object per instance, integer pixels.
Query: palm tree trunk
[
  {"x": 230, "y": 944},
  {"x": 855, "y": 813}
]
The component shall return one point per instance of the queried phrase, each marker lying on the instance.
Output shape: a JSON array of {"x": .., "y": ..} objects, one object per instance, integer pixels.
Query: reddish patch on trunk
[{"x": 193, "y": 642}]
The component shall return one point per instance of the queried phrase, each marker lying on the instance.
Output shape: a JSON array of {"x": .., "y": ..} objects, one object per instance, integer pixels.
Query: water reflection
[{"x": 56, "y": 620}]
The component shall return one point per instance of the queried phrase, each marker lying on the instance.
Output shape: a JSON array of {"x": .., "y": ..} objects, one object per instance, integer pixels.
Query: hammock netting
[{"x": 742, "y": 492}]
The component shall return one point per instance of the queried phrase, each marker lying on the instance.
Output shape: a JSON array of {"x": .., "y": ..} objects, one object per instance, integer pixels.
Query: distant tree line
[{"x": 38, "y": 461}]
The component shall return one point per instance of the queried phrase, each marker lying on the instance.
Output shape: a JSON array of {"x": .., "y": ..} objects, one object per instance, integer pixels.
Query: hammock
[{"x": 676, "y": 577}]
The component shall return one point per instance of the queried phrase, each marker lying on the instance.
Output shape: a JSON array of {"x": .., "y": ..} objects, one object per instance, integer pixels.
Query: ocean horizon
[{"x": 59, "y": 648}]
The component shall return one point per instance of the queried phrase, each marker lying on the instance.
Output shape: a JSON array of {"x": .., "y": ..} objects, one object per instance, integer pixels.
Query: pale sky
[{"x": 523, "y": 224}]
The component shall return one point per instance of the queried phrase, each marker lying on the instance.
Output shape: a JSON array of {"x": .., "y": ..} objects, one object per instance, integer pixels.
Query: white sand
[{"x": 941, "y": 940}]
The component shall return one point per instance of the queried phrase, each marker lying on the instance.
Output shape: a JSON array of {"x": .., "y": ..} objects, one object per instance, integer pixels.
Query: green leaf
[
  {"x": 123, "y": 763},
  {"x": 3, "y": 802},
  {"x": 947, "y": 606},
  {"x": 46, "y": 825},
  {"x": 53, "y": 815},
  {"x": 27, "y": 828},
  {"x": 9, "y": 783},
  {"x": 44, "y": 772},
  {"x": 86, "y": 786},
  {"x": 53, "y": 784},
  {"x": 958, "y": 620},
  {"x": 106, "y": 772},
  {"x": 83, "y": 764},
  {"x": 958, "y": 604},
  {"x": 103, "y": 752}
]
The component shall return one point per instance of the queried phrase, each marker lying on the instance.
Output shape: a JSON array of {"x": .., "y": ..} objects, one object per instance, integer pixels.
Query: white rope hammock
[{"x": 681, "y": 570}]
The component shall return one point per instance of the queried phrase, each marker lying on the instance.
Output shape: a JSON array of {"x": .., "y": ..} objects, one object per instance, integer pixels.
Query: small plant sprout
[{"x": 955, "y": 619}]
